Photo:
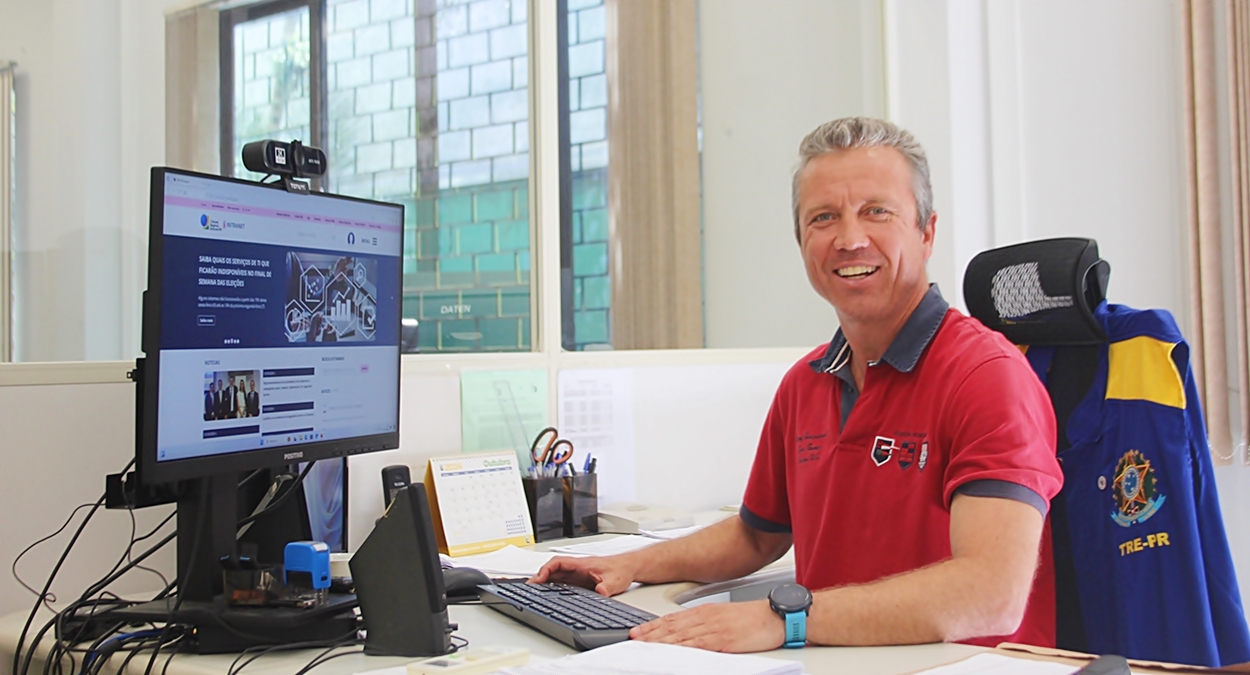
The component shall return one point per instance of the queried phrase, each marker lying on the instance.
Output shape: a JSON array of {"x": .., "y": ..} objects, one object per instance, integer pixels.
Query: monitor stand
[{"x": 207, "y": 531}]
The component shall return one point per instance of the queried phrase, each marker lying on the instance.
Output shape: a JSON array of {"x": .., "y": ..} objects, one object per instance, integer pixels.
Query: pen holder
[
  {"x": 544, "y": 498},
  {"x": 581, "y": 505}
]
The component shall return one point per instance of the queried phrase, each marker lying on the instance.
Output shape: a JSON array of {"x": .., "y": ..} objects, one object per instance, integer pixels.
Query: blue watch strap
[{"x": 796, "y": 630}]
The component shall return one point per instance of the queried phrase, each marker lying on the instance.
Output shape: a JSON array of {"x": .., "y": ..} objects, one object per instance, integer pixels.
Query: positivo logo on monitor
[{"x": 293, "y": 455}]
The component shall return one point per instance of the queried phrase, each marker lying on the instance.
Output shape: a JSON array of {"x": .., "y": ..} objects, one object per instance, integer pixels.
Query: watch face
[{"x": 790, "y": 597}]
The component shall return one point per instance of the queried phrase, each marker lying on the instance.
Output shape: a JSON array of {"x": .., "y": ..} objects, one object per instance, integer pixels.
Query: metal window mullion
[
  {"x": 545, "y": 170},
  {"x": 225, "y": 59},
  {"x": 7, "y": 174},
  {"x": 318, "y": 132}
]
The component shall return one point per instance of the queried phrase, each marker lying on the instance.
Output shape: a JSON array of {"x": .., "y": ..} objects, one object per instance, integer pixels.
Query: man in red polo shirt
[{"x": 910, "y": 461}]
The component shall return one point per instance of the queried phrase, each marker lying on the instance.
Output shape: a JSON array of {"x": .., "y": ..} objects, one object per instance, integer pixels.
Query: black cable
[
  {"x": 17, "y": 652},
  {"x": 264, "y": 650},
  {"x": 183, "y": 574},
  {"x": 64, "y": 643},
  {"x": 322, "y": 657},
  {"x": 277, "y": 503},
  {"x": 177, "y": 651},
  {"x": 51, "y": 597}
]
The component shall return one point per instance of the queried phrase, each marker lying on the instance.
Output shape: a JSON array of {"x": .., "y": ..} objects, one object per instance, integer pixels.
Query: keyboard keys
[{"x": 574, "y": 615}]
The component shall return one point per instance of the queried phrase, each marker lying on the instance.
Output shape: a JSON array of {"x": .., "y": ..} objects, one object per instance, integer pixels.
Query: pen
[
  {"x": 591, "y": 468},
  {"x": 586, "y": 464}
]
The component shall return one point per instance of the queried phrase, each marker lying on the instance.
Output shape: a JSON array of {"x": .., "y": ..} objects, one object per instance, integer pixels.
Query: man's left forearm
[{"x": 982, "y": 590}]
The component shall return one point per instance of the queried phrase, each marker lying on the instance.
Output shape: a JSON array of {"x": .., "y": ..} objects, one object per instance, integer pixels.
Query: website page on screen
[{"x": 278, "y": 318}]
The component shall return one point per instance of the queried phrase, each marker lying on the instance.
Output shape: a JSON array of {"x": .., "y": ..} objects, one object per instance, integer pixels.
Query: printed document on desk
[
  {"x": 649, "y": 658},
  {"x": 998, "y": 664}
]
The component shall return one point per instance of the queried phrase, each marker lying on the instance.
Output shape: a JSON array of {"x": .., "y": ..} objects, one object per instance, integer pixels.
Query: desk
[{"x": 483, "y": 626}]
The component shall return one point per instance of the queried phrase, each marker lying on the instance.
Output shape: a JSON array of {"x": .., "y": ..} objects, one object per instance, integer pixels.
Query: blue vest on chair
[{"x": 1154, "y": 576}]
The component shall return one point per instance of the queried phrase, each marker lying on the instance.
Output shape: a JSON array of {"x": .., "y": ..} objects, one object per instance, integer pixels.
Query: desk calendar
[{"x": 477, "y": 503}]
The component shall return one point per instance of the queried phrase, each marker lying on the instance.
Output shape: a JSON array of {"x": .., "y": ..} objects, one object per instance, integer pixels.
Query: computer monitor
[{"x": 285, "y": 308}]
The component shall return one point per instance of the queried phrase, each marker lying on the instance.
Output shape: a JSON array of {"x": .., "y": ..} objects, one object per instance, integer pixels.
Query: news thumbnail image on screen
[
  {"x": 330, "y": 298},
  {"x": 231, "y": 394}
]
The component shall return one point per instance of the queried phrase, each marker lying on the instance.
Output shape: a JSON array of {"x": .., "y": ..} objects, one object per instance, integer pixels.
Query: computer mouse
[{"x": 462, "y": 582}]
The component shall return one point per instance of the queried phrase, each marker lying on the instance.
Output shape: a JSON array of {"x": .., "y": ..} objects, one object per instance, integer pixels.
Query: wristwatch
[{"x": 792, "y": 602}]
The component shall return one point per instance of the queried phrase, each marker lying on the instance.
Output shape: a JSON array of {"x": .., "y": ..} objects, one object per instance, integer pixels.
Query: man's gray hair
[{"x": 866, "y": 132}]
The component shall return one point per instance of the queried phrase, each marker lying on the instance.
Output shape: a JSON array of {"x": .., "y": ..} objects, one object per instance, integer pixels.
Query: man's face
[
  {"x": 251, "y": 385},
  {"x": 861, "y": 247},
  {"x": 219, "y": 385}
]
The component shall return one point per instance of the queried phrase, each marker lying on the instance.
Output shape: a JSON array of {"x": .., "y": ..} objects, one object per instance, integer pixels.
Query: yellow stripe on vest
[{"x": 1141, "y": 368}]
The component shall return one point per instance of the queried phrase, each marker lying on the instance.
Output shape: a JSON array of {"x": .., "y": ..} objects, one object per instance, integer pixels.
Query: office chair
[{"x": 1142, "y": 565}]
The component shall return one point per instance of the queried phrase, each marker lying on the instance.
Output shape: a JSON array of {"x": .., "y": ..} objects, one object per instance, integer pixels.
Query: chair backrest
[
  {"x": 1130, "y": 438},
  {"x": 1045, "y": 293}
]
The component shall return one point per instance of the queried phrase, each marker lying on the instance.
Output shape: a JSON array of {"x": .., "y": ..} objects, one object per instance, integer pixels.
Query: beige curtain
[
  {"x": 653, "y": 174},
  {"x": 1238, "y": 30},
  {"x": 1204, "y": 134},
  {"x": 8, "y": 115},
  {"x": 192, "y": 96}
]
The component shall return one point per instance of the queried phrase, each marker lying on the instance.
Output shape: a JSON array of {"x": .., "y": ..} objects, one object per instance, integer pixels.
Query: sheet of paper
[
  {"x": 596, "y": 413},
  {"x": 502, "y": 410},
  {"x": 998, "y": 664},
  {"x": 625, "y": 544},
  {"x": 649, "y": 658},
  {"x": 508, "y": 561},
  {"x": 672, "y": 534}
]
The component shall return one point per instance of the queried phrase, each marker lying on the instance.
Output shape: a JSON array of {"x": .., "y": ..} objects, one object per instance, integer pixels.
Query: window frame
[{"x": 316, "y": 72}]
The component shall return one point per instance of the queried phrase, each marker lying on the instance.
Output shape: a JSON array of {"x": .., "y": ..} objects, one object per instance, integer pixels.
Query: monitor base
[{"x": 220, "y": 629}]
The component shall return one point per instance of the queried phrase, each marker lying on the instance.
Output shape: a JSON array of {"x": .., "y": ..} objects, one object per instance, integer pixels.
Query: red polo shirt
[{"x": 871, "y": 498}]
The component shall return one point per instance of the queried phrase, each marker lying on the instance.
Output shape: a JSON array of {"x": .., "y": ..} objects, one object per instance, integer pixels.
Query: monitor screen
[{"x": 285, "y": 308}]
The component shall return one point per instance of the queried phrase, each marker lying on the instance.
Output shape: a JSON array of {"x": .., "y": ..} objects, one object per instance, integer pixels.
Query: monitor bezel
[{"x": 151, "y": 471}]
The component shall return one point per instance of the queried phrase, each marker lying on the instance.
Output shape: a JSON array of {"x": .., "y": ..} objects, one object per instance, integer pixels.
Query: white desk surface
[{"x": 485, "y": 627}]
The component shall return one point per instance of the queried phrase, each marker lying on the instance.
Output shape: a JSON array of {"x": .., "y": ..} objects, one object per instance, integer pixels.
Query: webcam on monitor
[{"x": 287, "y": 160}]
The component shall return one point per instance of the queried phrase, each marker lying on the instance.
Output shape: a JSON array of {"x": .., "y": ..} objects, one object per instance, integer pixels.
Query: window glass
[
  {"x": 272, "y": 87},
  {"x": 467, "y": 271},
  {"x": 426, "y": 104},
  {"x": 591, "y": 301}
]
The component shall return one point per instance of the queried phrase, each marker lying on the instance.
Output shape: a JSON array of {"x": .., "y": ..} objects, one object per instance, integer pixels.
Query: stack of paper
[
  {"x": 622, "y": 544},
  {"x": 649, "y": 658},
  {"x": 508, "y": 561}
]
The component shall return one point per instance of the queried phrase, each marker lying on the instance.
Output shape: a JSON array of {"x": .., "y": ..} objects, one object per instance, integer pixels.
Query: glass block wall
[
  {"x": 429, "y": 106},
  {"x": 588, "y": 138},
  {"x": 371, "y": 56},
  {"x": 467, "y": 268},
  {"x": 271, "y": 81}
]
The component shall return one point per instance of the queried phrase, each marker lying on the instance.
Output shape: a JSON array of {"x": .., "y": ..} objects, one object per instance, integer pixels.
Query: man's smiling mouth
[{"x": 856, "y": 272}]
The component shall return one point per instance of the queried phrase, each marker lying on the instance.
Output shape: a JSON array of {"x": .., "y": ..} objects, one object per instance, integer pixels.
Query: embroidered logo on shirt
[
  {"x": 1135, "y": 491},
  {"x": 906, "y": 455},
  {"x": 882, "y": 450},
  {"x": 808, "y": 447},
  {"x": 924, "y": 456}
]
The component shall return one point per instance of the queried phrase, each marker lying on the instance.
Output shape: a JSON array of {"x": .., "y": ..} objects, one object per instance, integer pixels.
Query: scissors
[{"x": 549, "y": 450}]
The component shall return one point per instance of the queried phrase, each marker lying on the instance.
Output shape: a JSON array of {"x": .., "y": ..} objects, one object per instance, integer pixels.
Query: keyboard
[{"x": 578, "y": 617}]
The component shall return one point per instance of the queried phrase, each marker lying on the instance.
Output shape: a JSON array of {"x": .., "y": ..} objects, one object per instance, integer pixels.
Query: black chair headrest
[{"x": 1040, "y": 292}]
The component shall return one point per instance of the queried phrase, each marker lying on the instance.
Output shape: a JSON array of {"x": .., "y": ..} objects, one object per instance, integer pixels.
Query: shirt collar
[{"x": 904, "y": 352}]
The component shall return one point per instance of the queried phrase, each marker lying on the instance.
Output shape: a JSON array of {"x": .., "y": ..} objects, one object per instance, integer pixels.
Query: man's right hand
[{"x": 606, "y": 576}]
